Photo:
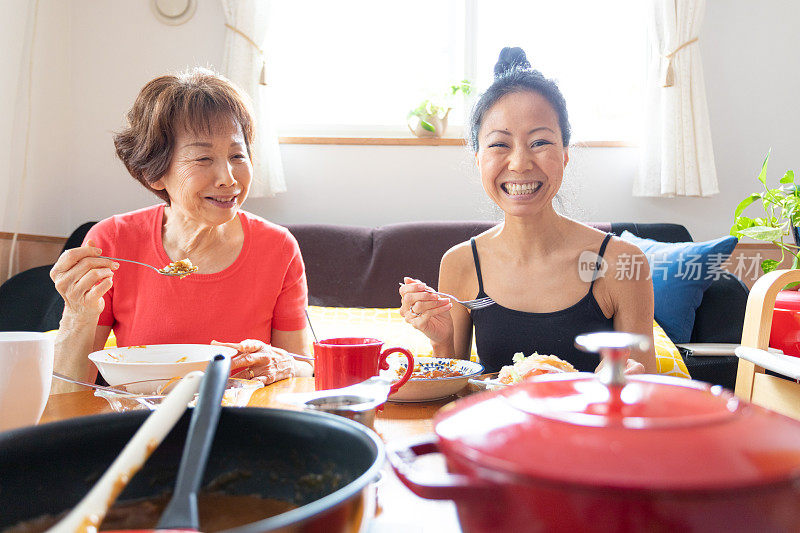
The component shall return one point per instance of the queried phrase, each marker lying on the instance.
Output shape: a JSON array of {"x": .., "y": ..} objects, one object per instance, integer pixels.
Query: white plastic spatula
[{"x": 89, "y": 513}]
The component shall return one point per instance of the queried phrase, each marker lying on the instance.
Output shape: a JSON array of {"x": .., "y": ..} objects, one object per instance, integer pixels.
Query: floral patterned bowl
[{"x": 419, "y": 389}]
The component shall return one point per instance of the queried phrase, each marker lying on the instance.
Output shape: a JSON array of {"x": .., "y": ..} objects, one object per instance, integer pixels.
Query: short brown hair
[{"x": 196, "y": 99}]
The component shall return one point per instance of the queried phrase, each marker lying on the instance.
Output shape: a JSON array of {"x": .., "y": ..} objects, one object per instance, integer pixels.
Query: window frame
[{"x": 373, "y": 135}]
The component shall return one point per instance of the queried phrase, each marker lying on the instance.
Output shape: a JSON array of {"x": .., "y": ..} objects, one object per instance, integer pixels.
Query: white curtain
[
  {"x": 677, "y": 158},
  {"x": 245, "y": 63}
]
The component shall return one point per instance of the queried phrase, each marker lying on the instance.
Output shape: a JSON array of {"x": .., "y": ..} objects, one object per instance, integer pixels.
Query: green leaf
[
  {"x": 791, "y": 203},
  {"x": 744, "y": 204},
  {"x": 788, "y": 177},
  {"x": 759, "y": 221},
  {"x": 427, "y": 125},
  {"x": 762, "y": 176},
  {"x": 464, "y": 86},
  {"x": 761, "y": 233},
  {"x": 772, "y": 196},
  {"x": 739, "y": 224},
  {"x": 768, "y": 265}
]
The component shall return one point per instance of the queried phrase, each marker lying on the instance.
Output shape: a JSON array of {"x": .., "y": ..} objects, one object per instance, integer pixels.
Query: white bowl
[
  {"x": 157, "y": 361},
  {"x": 426, "y": 390}
]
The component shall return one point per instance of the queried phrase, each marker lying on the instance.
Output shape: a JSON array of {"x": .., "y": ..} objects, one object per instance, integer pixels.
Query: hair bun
[{"x": 511, "y": 58}]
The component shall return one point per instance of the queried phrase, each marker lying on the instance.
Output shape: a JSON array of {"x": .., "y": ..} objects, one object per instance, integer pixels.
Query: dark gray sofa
[{"x": 350, "y": 266}]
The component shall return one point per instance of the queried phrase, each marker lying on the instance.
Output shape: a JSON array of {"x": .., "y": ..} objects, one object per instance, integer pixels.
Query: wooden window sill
[
  {"x": 424, "y": 141},
  {"x": 5, "y": 235}
]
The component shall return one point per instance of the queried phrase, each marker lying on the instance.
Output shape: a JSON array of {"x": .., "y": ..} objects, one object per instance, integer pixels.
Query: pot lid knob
[{"x": 614, "y": 348}]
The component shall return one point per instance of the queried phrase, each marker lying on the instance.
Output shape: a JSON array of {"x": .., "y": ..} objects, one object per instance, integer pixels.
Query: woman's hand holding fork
[{"x": 427, "y": 311}]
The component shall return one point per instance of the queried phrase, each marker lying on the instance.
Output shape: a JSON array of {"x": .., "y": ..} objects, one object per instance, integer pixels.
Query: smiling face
[
  {"x": 209, "y": 175},
  {"x": 521, "y": 156}
]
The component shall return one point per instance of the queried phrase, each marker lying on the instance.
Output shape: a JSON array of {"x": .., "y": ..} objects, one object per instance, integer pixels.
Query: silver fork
[
  {"x": 162, "y": 272},
  {"x": 477, "y": 303}
]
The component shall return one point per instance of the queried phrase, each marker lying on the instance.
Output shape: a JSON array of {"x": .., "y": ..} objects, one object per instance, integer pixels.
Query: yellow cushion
[
  {"x": 668, "y": 358},
  {"x": 111, "y": 341},
  {"x": 390, "y": 327},
  {"x": 386, "y": 325}
]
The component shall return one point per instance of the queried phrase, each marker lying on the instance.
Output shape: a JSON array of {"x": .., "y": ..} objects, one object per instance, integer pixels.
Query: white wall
[{"x": 92, "y": 56}]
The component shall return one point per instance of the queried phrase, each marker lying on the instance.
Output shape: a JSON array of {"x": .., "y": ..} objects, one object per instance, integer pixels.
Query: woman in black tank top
[{"x": 530, "y": 264}]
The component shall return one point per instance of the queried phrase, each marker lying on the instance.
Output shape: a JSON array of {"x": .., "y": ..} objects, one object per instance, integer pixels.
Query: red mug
[{"x": 346, "y": 361}]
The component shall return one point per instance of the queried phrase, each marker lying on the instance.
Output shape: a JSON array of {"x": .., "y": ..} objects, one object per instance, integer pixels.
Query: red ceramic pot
[{"x": 569, "y": 453}]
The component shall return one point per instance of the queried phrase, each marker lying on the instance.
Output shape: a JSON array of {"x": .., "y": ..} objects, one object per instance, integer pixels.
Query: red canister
[{"x": 785, "y": 331}]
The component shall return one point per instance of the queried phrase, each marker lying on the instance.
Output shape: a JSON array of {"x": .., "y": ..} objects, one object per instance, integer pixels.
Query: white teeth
[{"x": 522, "y": 188}]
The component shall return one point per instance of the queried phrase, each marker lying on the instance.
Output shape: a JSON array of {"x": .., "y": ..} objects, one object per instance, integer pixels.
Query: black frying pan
[{"x": 47, "y": 469}]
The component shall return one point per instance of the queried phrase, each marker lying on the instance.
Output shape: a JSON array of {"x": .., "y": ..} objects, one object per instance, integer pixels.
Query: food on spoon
[
  {"x": 181, "y": 268},
  {"x": 533, "y": 365}
]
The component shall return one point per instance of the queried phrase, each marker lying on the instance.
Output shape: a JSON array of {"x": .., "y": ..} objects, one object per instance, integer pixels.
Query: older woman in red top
[{"x": 188, "y": 140}]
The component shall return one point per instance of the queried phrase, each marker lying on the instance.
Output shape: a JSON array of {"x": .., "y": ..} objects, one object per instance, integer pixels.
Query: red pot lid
[
  {"x": 788, "y": 300},
  {"x": 655, "y": 432}
]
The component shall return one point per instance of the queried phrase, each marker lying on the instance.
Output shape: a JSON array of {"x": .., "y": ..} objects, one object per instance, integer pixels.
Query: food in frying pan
[{"x": 218, "y": 511}]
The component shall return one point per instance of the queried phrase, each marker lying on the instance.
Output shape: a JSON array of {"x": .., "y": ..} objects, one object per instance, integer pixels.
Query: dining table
[{"x": 394, "y": 508}]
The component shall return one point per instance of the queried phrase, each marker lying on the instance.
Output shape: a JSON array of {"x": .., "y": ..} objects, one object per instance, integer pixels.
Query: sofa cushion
[
  {"x": 668, "y": 358},
  {"x": 681, "y": 272},
  {"x": 384, "y": 324}
]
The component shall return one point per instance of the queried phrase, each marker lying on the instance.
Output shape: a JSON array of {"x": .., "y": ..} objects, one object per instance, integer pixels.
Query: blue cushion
[{"x": 681, "y": 272}]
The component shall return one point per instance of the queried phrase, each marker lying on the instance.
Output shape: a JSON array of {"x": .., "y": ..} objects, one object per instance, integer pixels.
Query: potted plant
[
  {"x": 429, "y": 118},
  {"x": 782, "y": 217}
]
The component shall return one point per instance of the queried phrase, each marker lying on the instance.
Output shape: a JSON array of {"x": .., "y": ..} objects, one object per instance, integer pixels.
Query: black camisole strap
[
  {"x": 600, "y": 258},
  {"x": 477, "y": 264}
]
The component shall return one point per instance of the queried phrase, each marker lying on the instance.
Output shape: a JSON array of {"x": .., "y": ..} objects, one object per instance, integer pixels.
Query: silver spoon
[{"x": 158, "y": 270}]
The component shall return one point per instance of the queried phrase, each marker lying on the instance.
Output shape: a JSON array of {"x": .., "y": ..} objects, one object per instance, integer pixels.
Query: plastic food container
[{"x": 148, "y": 394}]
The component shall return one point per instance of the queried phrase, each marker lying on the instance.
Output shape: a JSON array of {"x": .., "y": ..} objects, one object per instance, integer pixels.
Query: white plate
[
  {"x": 157, "y": 361},
  {"x": 426, "y": 390}
]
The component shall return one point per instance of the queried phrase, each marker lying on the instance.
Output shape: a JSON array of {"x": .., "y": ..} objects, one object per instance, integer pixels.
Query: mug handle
[{"x": 409, "y": 370}]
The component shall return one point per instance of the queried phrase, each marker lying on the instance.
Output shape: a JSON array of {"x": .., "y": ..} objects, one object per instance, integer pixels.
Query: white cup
[{"x": 26, "y": 369}]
